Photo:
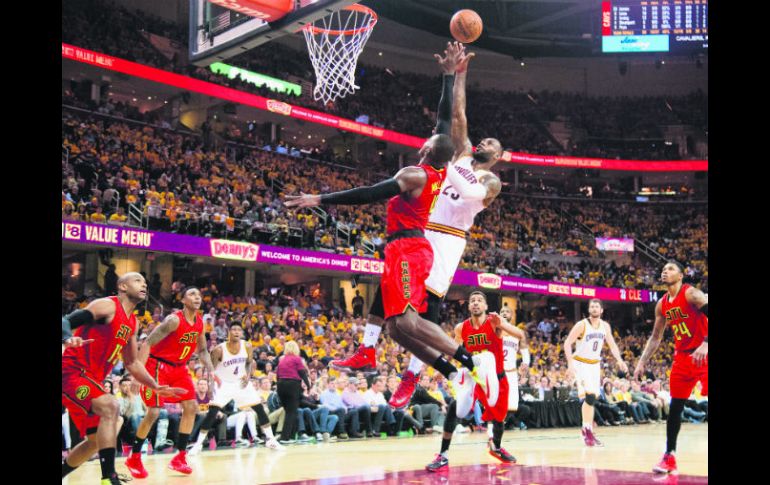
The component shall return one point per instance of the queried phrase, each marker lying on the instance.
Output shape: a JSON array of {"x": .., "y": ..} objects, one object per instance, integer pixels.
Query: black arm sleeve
[
  {"x": 303, "y": 374},
  {"x": 444, "y": 117},
  {"x": 705, "y": 309},
  {"x": 364, "y": 195},
  {"x": 74, "y": 320}
]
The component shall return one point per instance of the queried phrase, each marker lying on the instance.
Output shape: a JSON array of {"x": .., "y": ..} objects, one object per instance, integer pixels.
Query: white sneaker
[
  {"x": 273, "y": 444},
  {"x": 485, "y": 369},
  {"x": 461, "y": 429},
  {"x": 319, "y": 437},
  {"x": 304, "y": 438},
  {"x": 330, "y": 438},
  {"x": 195, "y": 450},
  {"x": 438, "y": 429},
  {"x": 242, "y": 443},
  {"x": 258, "y": 440},
  {"x": 463, "y": 383}
]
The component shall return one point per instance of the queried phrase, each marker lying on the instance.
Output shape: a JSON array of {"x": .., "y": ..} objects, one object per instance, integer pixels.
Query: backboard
[{"x": 217, "y": 33}]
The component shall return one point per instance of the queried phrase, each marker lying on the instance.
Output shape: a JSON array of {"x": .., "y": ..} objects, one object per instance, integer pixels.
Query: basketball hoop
[{"x": 334, "y": 43}]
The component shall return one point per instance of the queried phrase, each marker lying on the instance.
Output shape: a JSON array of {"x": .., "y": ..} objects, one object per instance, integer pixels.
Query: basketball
[{"x": 466, "y": 26}]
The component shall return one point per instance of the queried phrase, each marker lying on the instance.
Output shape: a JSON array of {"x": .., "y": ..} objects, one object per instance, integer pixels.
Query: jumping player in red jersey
[
  {"x": 402, "y": 297},
  {"x": 685, "y": 309},
  {"x": 166, "y": 352},
  {"x": 103, "y": 332},
  {"x": 481, "y": 334}
]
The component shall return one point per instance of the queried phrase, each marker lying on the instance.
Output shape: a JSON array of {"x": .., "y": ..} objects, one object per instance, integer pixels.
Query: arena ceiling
[{"x": 518, "y": 28}]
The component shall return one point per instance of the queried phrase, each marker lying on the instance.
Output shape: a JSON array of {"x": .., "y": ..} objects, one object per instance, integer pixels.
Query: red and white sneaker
[
  {"x": 179, "y": 463},
  {"x": 363, "y": 360},
  {"x": 591, "y": 439},
  {"x": 667, "y": 464},
  {"x": 403, "y": 394},
  {"x": 135, "y": 466}
]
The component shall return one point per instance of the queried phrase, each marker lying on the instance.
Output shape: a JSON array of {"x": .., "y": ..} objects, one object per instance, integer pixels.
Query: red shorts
[
  {"x": 407, "y": 266},
  {"x": 684, "y": 376},
  {"x": 79, "y": 388},
  {"x": 500, "y": 409},
  {"x": 167, "y": 375}
]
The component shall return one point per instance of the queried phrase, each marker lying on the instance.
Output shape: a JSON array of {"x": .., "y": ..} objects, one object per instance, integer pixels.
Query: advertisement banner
[
  {"x": 615, "y": 244},
  {"x": 130, "y": 237},
  {"x": 229, "y": 94}
]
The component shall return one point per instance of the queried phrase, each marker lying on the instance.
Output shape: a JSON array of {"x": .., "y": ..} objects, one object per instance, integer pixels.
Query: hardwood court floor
[{"x": 555, "y": 456}]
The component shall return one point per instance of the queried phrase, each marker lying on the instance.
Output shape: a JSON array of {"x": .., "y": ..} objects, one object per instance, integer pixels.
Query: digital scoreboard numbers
[{"x": 676, "y": 26}]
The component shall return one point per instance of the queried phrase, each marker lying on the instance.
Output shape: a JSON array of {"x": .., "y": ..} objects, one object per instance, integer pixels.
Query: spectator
[{"x": 291, "y": 371}]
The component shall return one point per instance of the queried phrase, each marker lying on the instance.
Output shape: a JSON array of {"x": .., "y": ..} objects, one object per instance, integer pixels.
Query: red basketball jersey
[
  {"x": 178, "y": 346},
  {"x": 405, "y": 213},
  {"x": 690, "y": 326},
  {"x": 101, "y": 355},
  {"x": 483, "y": 338}
]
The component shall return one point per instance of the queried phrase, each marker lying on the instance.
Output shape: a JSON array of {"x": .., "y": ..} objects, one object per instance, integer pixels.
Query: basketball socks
[
  {"x": 371, "y": 334},
  {"x": 445, "y": 446},
  {"x": 442, "y": 365},
  {"x": 137, "y": 446},
  {"x": 464, "y": 357},
  {"x": 66, "y": 469},
  {"x": 674, "y": 423},
  {"x": 181, "y": 441},
  {"x": 497, "y": 431},
  {"x": 415, "y": 365},
  {"x": 107, "y": 462}
]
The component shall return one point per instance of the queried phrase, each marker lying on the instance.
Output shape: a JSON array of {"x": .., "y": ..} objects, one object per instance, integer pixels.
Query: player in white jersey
[
  {"x": 512, "y": 346},
  {"x": 233, "y": 362},
  {"x": 584, "y": 365},
  {"x": 468, "y": 189}
]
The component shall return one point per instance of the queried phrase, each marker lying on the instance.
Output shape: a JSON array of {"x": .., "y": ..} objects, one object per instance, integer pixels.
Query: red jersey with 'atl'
[
  {"x": 177, "y": 347},
  {"x": 406, "y": 214},
  {"x": 101, "y": 355},
  {"x": 690, "y": 326},
  {"x": 483, "y": 338}
]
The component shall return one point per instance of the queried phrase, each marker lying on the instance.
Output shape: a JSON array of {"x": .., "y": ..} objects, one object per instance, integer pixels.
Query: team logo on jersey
[
  {"x": 147, "y": 393},
  {"x": 82, "y": 392},
  {"x": 189, "y": 337},
  {"x": 489, "y": 280}
]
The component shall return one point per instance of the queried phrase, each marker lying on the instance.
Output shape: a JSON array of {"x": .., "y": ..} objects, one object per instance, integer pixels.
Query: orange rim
[{"x": 355, "y": 7}]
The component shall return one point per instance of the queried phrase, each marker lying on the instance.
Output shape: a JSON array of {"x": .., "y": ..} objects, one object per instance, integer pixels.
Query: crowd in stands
[
  {"x": 182, "y": 187},
  {"x": 339, "y": 405},
  {"x": 405, "y": 101}
]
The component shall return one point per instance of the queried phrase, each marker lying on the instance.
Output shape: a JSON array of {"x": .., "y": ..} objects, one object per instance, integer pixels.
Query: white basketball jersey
[
  {"x": 589, "y": 345},
  {"x": 450, "y": 209},
  {"x": 232, "y": 366},
  {"x": 510, "y": 349}
]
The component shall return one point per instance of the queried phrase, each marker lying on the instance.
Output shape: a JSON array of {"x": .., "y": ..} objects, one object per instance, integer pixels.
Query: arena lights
[{"x": 259, "y": 102}]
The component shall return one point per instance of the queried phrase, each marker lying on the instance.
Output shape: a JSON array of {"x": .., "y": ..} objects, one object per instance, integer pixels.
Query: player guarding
[
  {"x": 166, "y": 352},
  {"x": 685, "y": 309},
  {"x": 584, "y": 365},
  {"x": 233, "y": 365},
  {"x": 468, "y": 189},
  {"x": 512, "y": 345},
  {"x": 103, "y": 332},
  {"x": 481, "y": 334}
]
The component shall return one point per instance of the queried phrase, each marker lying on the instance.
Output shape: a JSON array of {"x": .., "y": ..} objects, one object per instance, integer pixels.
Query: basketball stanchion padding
[{"x": 267, "y": 10}]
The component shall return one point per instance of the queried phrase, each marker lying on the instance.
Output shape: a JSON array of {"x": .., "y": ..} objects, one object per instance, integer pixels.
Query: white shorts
[
  {"x": 513, "y": 390},
  {"x": 244, "y": 397},
  {"x": 447, "y": 253},
  {"x": 588, "y": 378}
]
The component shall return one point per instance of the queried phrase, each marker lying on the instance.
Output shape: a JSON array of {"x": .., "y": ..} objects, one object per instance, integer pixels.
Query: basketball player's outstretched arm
[
  {"x": 654, "y": 341},
  {"x": 139, "y": 372},
  {"x": 99, "y": 311},
  {"x": 168, "y": 325},
  {"x": 459, "y": 121},
  {"x": 409, "y": 179},
  {"x": 205, "y": 358},
  {"x": 699, "y": 300},
  {"x": 448, "y": 65},
  {"x": 614, "y": 347}
]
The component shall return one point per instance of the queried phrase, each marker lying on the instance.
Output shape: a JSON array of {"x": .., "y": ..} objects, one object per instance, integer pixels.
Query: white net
[{"x": 334, "y": 43}]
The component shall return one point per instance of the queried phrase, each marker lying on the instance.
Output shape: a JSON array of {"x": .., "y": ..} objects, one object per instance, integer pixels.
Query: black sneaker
[
  {"x": 115, "y": 479},
  {"x": 439, "y": 463},
  {"x": 502, "y": 455}
]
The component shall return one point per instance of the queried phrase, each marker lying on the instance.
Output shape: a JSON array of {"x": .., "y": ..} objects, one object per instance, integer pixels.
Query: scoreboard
[{"x": 676, "y": 26}]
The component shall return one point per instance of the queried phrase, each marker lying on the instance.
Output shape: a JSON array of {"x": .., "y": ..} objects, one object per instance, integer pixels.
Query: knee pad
[{"x": 590, "y": 399}]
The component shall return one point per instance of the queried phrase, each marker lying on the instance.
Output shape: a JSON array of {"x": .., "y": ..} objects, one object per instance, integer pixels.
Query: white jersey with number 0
[{"x": 590, "y": 343}]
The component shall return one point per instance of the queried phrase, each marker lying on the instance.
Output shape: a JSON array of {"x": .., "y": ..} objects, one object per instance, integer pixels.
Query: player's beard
[{"x": 481, "y": 158}]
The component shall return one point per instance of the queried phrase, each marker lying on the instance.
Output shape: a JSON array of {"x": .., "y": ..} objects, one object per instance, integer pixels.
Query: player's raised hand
[
  {"x": 76, "y": 342},
  {"x": 166, "y": 391},
  {"x": 303, "y": 200},
  {"x": 448, "y": 63},
  {"x": 495, "y": 318},
  {"x": 462, "y": 63}
]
